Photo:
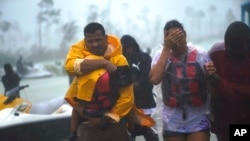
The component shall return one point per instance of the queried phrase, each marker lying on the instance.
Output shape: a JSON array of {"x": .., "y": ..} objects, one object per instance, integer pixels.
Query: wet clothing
[
  {"x": 10, "y": 81},
  {"x": 186, "y": 118},
  {"x": 103, "y": 98},
  {"x": 83, "y": 86},
  {"x": 184, "y": 82},
  {"x": 178, "y": 134},
  {"x": 232, "y": 92},
  {"x": 140, "y": 66}
]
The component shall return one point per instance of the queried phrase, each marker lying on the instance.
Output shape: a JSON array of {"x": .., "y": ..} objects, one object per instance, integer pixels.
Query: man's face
[{"x": 96, "y": 43}]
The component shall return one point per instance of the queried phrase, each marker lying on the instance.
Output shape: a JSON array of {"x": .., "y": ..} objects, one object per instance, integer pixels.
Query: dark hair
[
  {"x": 237, "y": 37},
  {"x": 93, "y": 27},
  {"x": 129, "y": 41},
  {"x": 8, "y": 68},
  {"x": 235, "y": 31},
  {"x": 173, "y": 24}
]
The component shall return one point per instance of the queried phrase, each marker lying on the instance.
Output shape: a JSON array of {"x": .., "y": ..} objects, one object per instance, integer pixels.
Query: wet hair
[
  {"x": 173, "y": 24},
  {"x": 93, "y": 27},
  {"x": 236, "y": 38},
  {"x": 8, "y": 68},
  {"x": 129, "y": 41}
]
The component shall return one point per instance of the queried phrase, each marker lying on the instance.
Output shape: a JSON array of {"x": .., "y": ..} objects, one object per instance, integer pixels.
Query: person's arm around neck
[
  {"x": 89, "y": 65},
  {"x": 158, "y": 69}
]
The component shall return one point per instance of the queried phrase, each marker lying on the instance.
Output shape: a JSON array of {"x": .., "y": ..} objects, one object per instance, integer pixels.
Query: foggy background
[{"x": 43, "y": 30}]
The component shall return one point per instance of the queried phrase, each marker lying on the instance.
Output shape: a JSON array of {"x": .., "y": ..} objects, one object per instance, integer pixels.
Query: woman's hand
[{"x": 173, "y": 37}]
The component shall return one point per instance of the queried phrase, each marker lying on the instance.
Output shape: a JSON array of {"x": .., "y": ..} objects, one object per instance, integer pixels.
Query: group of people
[{"x": 202, "y": 92}]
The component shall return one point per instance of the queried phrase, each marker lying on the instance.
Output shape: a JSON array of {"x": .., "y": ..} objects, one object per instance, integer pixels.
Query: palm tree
[{"x": 46, "y": 15}]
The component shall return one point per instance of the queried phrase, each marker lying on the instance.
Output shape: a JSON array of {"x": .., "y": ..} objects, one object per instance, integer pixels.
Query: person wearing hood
[
  {"x": 230, "y": 85},
  {"x": 11, "y": 79},
  {"x": 140, "y": 65},
  {"x": 99, "y": 99}
]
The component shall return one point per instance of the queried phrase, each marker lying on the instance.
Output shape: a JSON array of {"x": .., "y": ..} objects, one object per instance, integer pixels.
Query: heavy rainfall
[{"x": 40, "y": 32}]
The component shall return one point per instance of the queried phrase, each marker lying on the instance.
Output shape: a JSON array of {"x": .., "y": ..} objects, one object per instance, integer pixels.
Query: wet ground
[{"x": 140, "y": 138}]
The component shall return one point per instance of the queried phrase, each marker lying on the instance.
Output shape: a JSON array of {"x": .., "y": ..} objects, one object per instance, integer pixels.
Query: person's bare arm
[
  {"x": 90, "y": 65},
  {"x": 171, "y": 38},
  {"x": 158, "y": 69}
]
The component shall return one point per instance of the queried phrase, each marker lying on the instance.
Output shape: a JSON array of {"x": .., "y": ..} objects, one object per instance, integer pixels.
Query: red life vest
[
  {"x": 184, "y": 82},
  {"x": 103, "y": 98}
]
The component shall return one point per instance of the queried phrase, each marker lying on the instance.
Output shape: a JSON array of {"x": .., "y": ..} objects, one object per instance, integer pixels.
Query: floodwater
[{"x": 43, "y": 89}]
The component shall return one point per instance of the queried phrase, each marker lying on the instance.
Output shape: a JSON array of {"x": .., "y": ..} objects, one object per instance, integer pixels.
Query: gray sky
[{"x": 24, "y": 12}]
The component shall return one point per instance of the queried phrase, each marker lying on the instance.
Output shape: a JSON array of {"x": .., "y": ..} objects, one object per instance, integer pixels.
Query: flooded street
[{"x": 43, "y": 89}]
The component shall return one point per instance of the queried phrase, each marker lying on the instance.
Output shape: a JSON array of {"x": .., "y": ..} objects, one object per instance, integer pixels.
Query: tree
[
  {"x": 69, "y": 31},
  {"x": 4, "y": 27},
  {"x": 46, "y": 15},
  {"x": 92, "y": 16},
  {"x": 212, "y": 10},
  {"x": 230, "y": 17}
]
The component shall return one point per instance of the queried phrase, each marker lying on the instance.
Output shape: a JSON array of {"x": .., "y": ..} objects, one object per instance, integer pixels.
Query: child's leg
[{"x": 75, "y": 118}]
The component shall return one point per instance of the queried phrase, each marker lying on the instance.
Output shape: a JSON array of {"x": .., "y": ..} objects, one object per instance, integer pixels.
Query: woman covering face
[{"x": 179, "y": 69}]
